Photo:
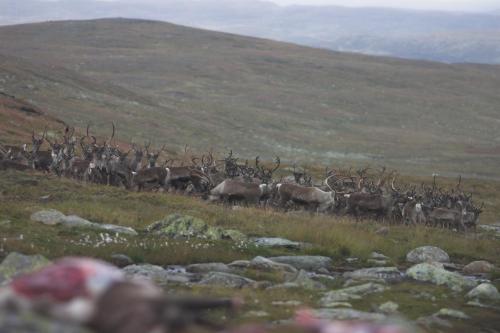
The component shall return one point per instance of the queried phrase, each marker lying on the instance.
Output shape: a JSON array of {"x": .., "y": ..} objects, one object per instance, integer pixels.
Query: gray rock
[
  {"x": 389, "y": 274},
  {"x": 73, "y": 221},
  {"x": 287, "y": 303},
  {"x": 115, "y": 229},
  {"x": 450, "y": 313},
  {"x": 265, "y": 264},
  {"x": 432, "y": 321},
  {"x": 378, "y": 256},
  {"x": 240, "y": 264},
  {"x": 427, "y": 253},
  {"x": 434, "y": 273},
  {"x": 484, "y": 291},
  {"x": 48, "y": 217},
  {"x": 276, "y": 242},
  {"x": 155, "y": 273},
  {"x": 209, "y": 267},
  {"x": 389, "y": 307},
  {"x": 16, "y": 264},
  {"x": 478, "y": 267},
  {"x": 347, "y": 314},
  {"x": 303, "y": 280},
  {"x": 256, "y": 314},
  {"x": 375, "y": 262},
  {"x": 121, "y": 260},
  {"x": 350, "y": 293},
  {"x": 308, "y": 263},
  {"x": 225, "y": 280}
]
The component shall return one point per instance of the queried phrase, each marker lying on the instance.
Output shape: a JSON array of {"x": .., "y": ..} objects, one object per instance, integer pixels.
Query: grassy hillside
[{"x": 179, "y": 85}]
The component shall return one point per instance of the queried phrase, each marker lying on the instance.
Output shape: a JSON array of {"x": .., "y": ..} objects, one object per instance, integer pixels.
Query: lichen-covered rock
[
  {"x": 276, "y": 242},
  {"x": 308, "y": 263},
  {"x": 121, "y": 260},
  {"x": 48, "y": 217},
  {"x": 114, "y": 229},
  {"x": 389, "y": 274},
  {"x": 16, "y": 264},
  {"x": 484, "y": 291},
  {"x": 388, "y": 307},
  {"x": 435, "y": 273},
  {"x": 478, "y": 267},
  {"x": 184, "y": 226},
  {"x": 225, "y": 280},
  {"x": 355, "y": 292},
  {"x": 427, "y": 253}
]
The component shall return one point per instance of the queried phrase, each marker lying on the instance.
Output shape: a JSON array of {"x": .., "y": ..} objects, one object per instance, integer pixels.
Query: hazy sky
[{"x": 455, "y": 5}]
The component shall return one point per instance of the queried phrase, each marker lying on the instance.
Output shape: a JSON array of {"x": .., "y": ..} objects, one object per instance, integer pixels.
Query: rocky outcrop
[
  {"x": 435, "y": 273},
  {"x": 427, "y": 253},
  {"x": 350, "y": 293},
  {"x": 308, "y": 263},
  {"x": 225, "y": 280},
  {"x": 16, "y": 264}
]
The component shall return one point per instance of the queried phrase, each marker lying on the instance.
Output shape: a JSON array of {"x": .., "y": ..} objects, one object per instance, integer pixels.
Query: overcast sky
[{"x": 455, "y": 5}]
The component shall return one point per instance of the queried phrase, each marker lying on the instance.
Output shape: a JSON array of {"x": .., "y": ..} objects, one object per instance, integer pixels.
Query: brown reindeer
[
  {"x": 233, "y": 190},
  {"x": 310, "y": 197}
]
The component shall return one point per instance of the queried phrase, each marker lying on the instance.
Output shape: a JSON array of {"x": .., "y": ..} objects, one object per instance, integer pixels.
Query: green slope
[{"x": 180, "y": 85}]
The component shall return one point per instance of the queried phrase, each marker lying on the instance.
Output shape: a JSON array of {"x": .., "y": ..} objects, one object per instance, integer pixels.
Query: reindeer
[
  {"x": 156, "y": 176},
  {"x": 413, "y": 212},
  {"x": 40, "y": 160},
  {"x": 310, "y": 197},
  {"x": 448, "y": 218},
  {"x": 152, "y": 157},
  {"x": 232, "y": 190}
]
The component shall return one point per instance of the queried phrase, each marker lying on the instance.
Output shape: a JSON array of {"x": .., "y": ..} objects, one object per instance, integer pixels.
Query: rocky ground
[{"x": 427, "y": 289}]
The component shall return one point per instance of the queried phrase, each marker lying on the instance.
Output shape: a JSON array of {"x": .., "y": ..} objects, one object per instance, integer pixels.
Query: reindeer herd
[{"x": 229, "y": 180}]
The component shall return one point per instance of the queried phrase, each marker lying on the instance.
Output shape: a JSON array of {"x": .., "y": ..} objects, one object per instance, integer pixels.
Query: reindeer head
[{"x": 37, "y": 142}]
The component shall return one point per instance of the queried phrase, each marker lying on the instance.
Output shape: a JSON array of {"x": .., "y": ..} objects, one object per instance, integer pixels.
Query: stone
[
  {"x": 287, "y": 303},
  {"x": 389, "y": 274},
  {"x": 265, "y": 264},
  {"x": 240, "y": 264},
  {"x": 308, "y": 263},
  {"x": 156, "y": 274},
  {"x": 209, "y": 267},
  {"x": 347, "y": 314},
  {"x": 340, "y": 305},
  {"x": 184, "y": 227},
  {"x": 48, "y": 217},
  {"x": 121, "y": 260},
  {"x": 478, "y": 267},
  {"x": 16, "y": 264},
  {"x": 432, "y": 321},
  {"x": 275, "y": 242},
  {"x": 375, "y": 262},
  {"x": 225, "y": 280},
  {"x": 429, "y": 272},
  {"x": 256, "y": 314},
  {"x": 115, "y": 229},
  {"x": 389, "y": 307},
  {"x": 450, "y": 313},
  {"x": 378, "y": 256},
  {"x": 73, "y": 221},
  {"x": 304, "y": 281},
  {"x": 484, "y": 291},
  {"x": 350, "y": 293},
  {"x": 427, "y": 253}
]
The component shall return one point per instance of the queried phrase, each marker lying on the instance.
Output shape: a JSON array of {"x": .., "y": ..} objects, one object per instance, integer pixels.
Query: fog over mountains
[{"x": 431, "y": 35}]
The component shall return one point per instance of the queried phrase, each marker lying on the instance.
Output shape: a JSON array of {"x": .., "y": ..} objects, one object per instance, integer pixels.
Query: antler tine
[
  {"x": 278, "y": 163},
  {"x": 33, "y": 133},
  {"x": 88, "y": 126},
  {"x": 44, "y": 132},
  {"x": 113, "y": 134}
]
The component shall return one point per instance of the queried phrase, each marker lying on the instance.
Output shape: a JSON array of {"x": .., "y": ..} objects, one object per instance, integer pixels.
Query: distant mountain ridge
[{"x": 431, "y": 35}]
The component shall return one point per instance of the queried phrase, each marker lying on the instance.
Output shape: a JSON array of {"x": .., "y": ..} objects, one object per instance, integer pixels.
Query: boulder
[
  {"x": 16, "y": 264},
  {"x": 435, "y": 273},
  {"x": 389, "y": 307},
  {"x": 48, "y": 217},
  {"x": 302, "y": 280},
  {"x": 209, "y": 267},
  {"x": 115, "y": 229},
  {"x": 355, "y": 292},
  {"x": 275, "y": 242},
  {"x": 184, "y": 227},
  {"x": 450, "y": 313},
  {"x": 427, "y": 253},
  {"x": 265, "y": 264},
  {"x": 308, "y": 263},
  {"x": 484, "y": 291},
  {"x": 156, "y": 274},
  {"x": 388, "y": 274},
  {"x": 225, "y": 280},
  {"x": 73, "y": 221},
  {"x": 347, "y": 314},
  {"x": 378, "y": 256},
  {"x": 478, "y": 267}
]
